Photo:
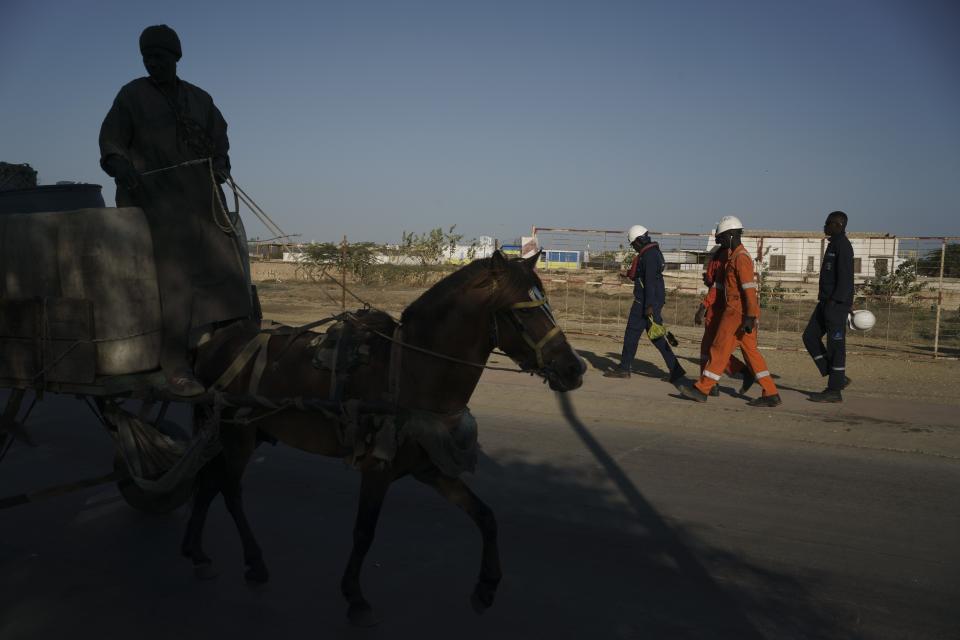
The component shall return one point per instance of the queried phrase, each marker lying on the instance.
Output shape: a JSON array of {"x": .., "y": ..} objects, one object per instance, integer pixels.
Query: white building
[{"x": 796, "y": 254}]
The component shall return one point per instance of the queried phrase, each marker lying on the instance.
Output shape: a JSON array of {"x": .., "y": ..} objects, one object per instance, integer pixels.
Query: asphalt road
[{"x": 641, "y": 516}]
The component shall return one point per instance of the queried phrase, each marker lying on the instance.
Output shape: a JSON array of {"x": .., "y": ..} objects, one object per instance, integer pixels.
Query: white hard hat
[
  {"x": 635, "y": 232},
  {"x": 861, "y": 319},
  {"x": 727, "y": 223}
]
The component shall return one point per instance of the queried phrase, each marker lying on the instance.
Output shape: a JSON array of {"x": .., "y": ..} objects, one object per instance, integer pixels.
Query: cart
[{"x": 139, "y": 399}]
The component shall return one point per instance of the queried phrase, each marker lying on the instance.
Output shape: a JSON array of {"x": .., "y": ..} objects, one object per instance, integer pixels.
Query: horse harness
[{"x": 346, "y": 345}]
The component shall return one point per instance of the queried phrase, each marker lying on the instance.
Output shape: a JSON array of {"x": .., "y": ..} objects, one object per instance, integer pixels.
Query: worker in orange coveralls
[
  {"x": 738, "y": 321},
  {"x": 709, "y": 314}
]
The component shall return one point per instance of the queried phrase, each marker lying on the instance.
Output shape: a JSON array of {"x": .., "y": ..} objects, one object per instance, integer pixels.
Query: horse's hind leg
[
  {"x": 457, "y": 492},
  {"x": 373, "y": 489}
]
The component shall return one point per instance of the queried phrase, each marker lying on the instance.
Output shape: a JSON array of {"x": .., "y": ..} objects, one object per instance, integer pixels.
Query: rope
[
  {"x": 274, "y": 228},
  {"x": 77, "y": 343},
  {"x": 435, "y": 354}
]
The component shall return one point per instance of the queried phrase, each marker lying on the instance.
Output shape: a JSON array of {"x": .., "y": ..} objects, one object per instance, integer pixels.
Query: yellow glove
[{"x": 656, "y": 330}]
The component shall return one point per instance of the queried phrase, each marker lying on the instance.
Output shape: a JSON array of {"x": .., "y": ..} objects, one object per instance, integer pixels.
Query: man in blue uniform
[
  {"x": 829, "y": 318},
  {"x": 649, "y": 297}
]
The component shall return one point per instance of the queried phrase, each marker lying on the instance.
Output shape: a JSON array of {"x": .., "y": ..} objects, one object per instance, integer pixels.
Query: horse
[{"x": 426, "y": 368}]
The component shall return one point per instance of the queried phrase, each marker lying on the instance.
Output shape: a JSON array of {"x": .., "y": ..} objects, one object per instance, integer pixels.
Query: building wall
[{"x": 803, "y": 256}]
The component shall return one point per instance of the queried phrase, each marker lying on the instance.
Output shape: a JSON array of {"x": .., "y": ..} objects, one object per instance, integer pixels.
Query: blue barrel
[{"x": 53, "y": 197}]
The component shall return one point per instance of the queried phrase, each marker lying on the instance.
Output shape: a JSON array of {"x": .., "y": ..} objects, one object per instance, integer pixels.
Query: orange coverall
[
  {"x": 713, "y": 306},
  {"x": 740, "y": 299}
]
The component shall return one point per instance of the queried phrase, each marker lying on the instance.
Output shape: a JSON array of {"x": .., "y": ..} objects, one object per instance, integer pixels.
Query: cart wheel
[{"x": 156, "y": 503}]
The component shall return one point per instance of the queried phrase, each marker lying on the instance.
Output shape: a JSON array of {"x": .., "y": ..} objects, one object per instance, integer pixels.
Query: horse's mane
[{"x": 435, "y": 302}]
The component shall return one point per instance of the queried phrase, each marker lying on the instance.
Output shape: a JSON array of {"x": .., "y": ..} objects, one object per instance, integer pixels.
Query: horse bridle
[{"x": 537, "y": 301}]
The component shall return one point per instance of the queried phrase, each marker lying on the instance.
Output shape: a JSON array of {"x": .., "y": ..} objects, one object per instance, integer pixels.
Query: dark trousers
[
  {"x": 830, "y": 320},
  {"x": 637, "y": 323}
]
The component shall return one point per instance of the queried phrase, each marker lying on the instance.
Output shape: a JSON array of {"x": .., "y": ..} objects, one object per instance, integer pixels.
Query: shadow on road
[
  {"x": 664, "y": 573},
  {"x": 581, "y": 559},
  {"x": 611, "y": 360}
]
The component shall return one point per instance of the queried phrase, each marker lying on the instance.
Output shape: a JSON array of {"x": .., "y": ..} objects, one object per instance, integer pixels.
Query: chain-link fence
[{"x": 911, "y": 284}]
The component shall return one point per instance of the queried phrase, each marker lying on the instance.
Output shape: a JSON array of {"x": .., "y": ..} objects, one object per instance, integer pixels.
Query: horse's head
[{"x": 525, "y": 328}]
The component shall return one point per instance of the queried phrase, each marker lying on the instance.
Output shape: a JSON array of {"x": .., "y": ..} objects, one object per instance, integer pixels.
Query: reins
[
  {"x": 536, "y": 345},
  {"x": 228, "y": 227}
]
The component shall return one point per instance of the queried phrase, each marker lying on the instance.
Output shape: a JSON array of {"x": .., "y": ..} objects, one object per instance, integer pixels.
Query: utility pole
[{"x": 343, "y": 274}]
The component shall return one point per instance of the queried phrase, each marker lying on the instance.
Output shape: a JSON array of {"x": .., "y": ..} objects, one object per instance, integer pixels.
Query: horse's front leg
[
  {"x": 373, "y": 489},
  {"x": 457, "y": 492},
  {"x": 207, "y": 486},
  {"x": 238, "y": 447}
]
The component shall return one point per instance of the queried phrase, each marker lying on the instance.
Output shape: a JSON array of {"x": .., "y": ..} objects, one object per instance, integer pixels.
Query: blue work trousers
[
  {"x": 828, "y": 319},
  {"x": 637, "y": 323}
]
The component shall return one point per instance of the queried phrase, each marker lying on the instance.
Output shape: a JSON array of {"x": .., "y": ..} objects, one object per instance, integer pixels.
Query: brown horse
[{"x": 427, "y": 372}]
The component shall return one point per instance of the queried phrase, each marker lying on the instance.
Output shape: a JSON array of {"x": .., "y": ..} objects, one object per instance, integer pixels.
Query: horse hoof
[
  {"x": 256, "y": 575},
  {"x": 481, "y": 599},
  {"x": 362, "y": 615},
  {"x": 205, "y": 571}
]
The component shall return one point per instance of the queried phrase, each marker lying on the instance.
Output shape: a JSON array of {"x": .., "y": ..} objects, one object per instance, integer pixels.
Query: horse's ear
[
  {"x": 531, "y": 262},
  {"x": 498, "y": 261}
]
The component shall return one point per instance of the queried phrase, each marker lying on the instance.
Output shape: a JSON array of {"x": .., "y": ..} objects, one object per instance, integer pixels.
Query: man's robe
[{"x": 200, "y": 267}]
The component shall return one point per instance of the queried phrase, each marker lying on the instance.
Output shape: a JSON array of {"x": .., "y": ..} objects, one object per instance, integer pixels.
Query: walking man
[
  {"x": 738, "y": 321},
  {"x": 829, "y": 318},
  {"x": 709, "y": 313},
  {"x": 649, "y": 296}
]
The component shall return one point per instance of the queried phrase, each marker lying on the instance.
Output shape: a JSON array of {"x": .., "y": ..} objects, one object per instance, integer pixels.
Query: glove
[
  {"x": 698, "y": 317},
  {"x": 748, "y": 324},
  {"x": 656, "y": 331}
]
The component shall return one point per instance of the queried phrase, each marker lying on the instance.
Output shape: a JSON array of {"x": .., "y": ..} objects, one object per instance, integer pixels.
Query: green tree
[
  {"x": 356, "y": 258},
  {"x": 431, "y": 247},
  {"x": 902, "y": 282},
  {"x": 929, "y": 264}
]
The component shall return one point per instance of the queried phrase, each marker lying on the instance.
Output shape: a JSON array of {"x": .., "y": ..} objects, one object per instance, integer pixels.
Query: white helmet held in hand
[
  {"x": 727, "y": 223},
  {"x": 861, "y": 319},
  {"x": 635, "y": 232}
]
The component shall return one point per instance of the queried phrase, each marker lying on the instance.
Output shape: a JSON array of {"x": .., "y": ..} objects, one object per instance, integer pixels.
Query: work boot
[
  {"x": 766, "y": 401},
  {"x": 748, "y": 380},
  {"x": 185, "y": 384},
  {"x": 616, "y": 373},
  {"x": 827, "y": 395},
  {"x": 846, "y": 382},
  {"x": 676, "y": 374},
  {"x": 715, "y": 391},
  {"x": 692, "y": 393}
]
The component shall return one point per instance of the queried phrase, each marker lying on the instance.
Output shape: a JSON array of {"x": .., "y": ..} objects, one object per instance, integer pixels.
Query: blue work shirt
[
  {"x": 648, "y": 289},
  {"x": 836, "y": 271}
]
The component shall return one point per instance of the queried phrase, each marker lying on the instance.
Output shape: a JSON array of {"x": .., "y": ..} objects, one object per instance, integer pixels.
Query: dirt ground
[{"x": 879, "y": 375}]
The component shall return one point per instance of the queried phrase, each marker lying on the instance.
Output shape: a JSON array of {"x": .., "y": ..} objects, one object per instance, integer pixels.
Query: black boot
[
  {"x": 827, "y": 395},
  {"x": 617, "y": 373},
  {"x": 715, "y": 391},
  {"x": 692, "y": 393},
  {"x": 766, "y": 401}
]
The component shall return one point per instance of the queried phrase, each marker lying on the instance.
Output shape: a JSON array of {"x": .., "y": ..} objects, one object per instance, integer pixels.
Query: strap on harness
[{"x": 257, "y": 346}]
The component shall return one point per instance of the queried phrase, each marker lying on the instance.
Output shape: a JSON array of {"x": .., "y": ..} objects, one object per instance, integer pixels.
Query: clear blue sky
[{"x": 365, "y": 117}]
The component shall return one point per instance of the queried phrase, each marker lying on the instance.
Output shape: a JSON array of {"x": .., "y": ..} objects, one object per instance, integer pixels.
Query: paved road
[{"x": 643, "y": 516}]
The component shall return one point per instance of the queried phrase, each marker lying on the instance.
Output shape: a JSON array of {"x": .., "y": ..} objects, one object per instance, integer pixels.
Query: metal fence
[{"x": 911, "y": 284}]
